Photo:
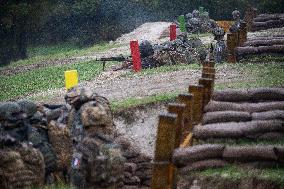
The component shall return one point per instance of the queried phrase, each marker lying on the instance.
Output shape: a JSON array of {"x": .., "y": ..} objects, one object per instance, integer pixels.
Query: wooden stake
[
  {"x": 208, "y": 89},
  {"x": 187, "y": 99},
  {"x": 197, "y": 92}
]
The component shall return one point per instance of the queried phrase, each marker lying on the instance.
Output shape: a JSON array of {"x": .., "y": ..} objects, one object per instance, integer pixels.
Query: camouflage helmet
[
  {"x": 77, "y": 96},
  {"x": 29, "y": 107},
  {"x": 195, "y": 13},
  {"x": 188, "y": 16},
  {"x": 236, "y": 14},
  {"x": 218, "y": 31},
  {"x": 11, "y": 112}
]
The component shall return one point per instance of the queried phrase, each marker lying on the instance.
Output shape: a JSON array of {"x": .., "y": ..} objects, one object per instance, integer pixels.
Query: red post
[
  {"x": 173, "y": 32},
  {"x": 136, "y": 59}
]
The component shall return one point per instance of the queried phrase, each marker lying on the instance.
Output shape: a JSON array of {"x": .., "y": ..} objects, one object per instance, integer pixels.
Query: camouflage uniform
[
  {"x": 21, "y": 165},
  {"x": 220, "y": 49},
  {"x": 39, "y": 138},
  {"x": 237, "y": 18},
  {"x": 97, "y": 161}
]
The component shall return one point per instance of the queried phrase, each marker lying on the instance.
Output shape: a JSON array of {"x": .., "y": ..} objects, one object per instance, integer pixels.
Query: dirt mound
[{"x": 151, "y": 31}]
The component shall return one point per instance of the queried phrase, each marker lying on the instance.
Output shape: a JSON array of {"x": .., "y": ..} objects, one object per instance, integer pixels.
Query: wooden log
[
  {"x": 187, "y": 99},
  {"x": 242, "y": 34},
  {"x": 162, "y": 168},
  {"x": 208, "y": 90},
  {"x": 267, "y": 17},
  {"x": 197, "y": 92},
  {"x": 179, "y": 110}
]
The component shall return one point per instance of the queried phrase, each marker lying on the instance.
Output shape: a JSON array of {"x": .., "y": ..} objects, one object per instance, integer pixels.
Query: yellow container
[{"x": 71, "y": 79}]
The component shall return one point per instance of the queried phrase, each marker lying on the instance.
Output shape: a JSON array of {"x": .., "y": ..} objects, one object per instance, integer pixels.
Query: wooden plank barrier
[
  {"x": 197, "y": 92},
  {"x": 208, "y": 90},
  {"x": 187, "y": 99},
  {"x": 162, "y": 177}
]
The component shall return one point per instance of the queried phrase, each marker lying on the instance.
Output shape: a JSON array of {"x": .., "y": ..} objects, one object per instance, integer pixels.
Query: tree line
[{"x": 85, "y": 22}]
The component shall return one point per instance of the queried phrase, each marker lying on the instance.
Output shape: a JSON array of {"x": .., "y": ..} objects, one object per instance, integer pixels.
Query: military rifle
[{"x": 119, "y": 58}]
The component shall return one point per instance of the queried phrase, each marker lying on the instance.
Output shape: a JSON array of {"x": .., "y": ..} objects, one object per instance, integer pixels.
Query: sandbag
[
  {"x": 271, "y": 136},
  {"x": 219, "y": 130},
  {"x": 202, "y": 165},
  {"x": 231, "y": 95},
  {"x": 265, "y": 42},
  {"x": 276, "y": 114},
  {"x": 237, "y": 130},
  {"x": 249, "y": 153},
  {"x": 213, "y": 106},
  {"x": 225, "y": 116},
  {"x": 247, "y": 95},
  {"x": 184, "y": 156}
]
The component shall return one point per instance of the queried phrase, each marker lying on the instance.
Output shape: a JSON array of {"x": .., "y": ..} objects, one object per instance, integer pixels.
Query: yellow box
[{"x": 71, "y": 78}]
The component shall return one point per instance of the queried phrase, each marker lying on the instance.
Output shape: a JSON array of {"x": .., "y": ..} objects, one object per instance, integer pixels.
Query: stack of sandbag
[
  {"x": 206, "y": 156},
  {"x": 250, "y": 113},
  {"x": 267, "y": 21},
  {"x": 137, "y": 167},
  {"x": 261, "y": 46},
  {"x": 21, "y": 167}
]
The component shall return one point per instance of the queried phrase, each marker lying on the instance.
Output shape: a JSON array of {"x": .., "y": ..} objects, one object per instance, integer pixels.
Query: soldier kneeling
[{"x": 97, "y": 161}]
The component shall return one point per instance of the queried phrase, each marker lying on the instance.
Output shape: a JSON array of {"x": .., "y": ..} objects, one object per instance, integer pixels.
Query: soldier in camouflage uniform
[
  {"x": 21, "y": 165},
  {"x": 237, "y": 18},
  {"x": 39, "y": 138},
  {"x": 220, "y": 50},
  {"x": 97, "y": 161}
]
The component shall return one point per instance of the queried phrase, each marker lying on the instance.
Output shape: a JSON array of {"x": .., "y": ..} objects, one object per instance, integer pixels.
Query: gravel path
[{"x": 115, "y": 86}]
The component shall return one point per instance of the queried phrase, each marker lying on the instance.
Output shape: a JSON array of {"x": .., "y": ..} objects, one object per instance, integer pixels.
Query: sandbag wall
[
  {"x": 267, "y": 21},
  {"x": 261, "y": 46},
  {"x": 175, "y": 127}
]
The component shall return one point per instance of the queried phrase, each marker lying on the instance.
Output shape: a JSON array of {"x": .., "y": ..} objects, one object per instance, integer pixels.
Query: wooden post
[
  {"x": 232, "y": 43},
  {"x": 187, "y": 99},
  {"x": 208, "y": 70},
  {"x": 162, "y": 167},
  {"x": 179, "y": 110},
  {"x": 208, "y": 75},
  {"x": 197, "y": 91},
  {"x": 208, "y": 90},
  {"x": 209, "y": 64},
  {"x": 242, "y": 33}
]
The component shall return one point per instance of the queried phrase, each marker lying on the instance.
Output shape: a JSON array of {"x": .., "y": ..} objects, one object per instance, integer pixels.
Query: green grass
[
  {"x": 256, "y": 75},
  {"x": 237, "y": 173},
  {"x": 132, "y": 102},
  {"x": 60, "y": 51},
  {"x": 45, "y": 79}
]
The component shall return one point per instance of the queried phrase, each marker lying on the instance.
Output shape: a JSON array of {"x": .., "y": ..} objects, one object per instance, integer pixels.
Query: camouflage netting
[
  {"x": 225, "y": 116},
  {"x": 249, "y": 95},
  {"x": 251, "y": 129},
  {"x": 183, "y": 156},
  {"x": 137, "y": 168},
  {"x": 21, "y": 167}
]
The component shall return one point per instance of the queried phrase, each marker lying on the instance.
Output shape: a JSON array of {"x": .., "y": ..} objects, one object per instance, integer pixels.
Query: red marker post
[
  {"x": 173, "y": 32},
  {"x": 136, "y": 59}
]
